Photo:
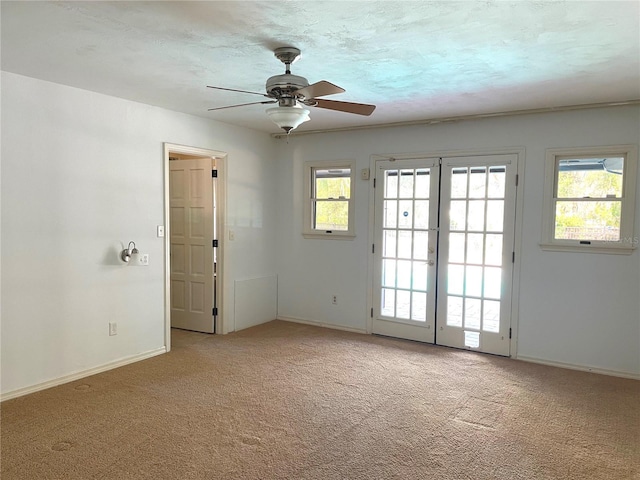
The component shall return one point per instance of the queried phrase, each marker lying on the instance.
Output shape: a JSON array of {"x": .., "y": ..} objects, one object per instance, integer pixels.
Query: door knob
[{"x": 430, "y": 262}]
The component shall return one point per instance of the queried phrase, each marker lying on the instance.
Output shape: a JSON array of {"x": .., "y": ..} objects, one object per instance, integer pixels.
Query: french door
[{"x": 444, "y": 232}]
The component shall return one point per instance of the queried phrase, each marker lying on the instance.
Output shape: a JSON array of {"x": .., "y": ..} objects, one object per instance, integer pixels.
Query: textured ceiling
[{"x": 414, "y": 60}]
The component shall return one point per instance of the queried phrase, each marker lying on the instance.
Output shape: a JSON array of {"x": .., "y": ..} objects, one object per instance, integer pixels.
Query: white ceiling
[{"x": 414, "y": 60}]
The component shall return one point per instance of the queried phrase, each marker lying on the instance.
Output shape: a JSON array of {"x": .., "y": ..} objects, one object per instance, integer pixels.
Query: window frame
[
  {"x": 628, "y": 242},
  {"x": 310, "y": 202}
]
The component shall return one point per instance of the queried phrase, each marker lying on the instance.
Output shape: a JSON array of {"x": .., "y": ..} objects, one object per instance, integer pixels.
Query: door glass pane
[
  {"x": 420, "y": 245},
  {"x": 472, "y": 313},
  {"x": 492, "y": 282},
  {"x": 474, "y": 248},
  {"x": 457, "y": 214},
  {"x": 406, "y": 209},
  {"x": 477, "y": 182},
  {"x": 422, "y": 214},
  {"x": 404, "y": 274},
  {"x": 496, "y": 185},
  {"x": 454, "y": 311},
  {"x": 456, "y": 247},
  {"x": 491, "y": 316},
  {"x": 390, "y": 213},
  {"x": 423, "y": 183},
  {"x": 473, "y": 281},
  {"x": 471, "y": 339},
  {"x": 404, "y": 304},
  {"x": 404, "y": 244},
  {"x": 493, "y": 252},
  {"x": 475, "y": 222},
  {"x": 420, "y": 270},
  {"x": 388, "y": 273},
  {"x": 495, "y": 215},
  {"x": 391, "y": 184},
  {"x": 387, "y": 308},
  {"x": 389, "y": 243},
  {"x": 406, "y": 183},
  {"x": 419, "y": 306},
  {"x": 455, "y": 280},
  {"x": 459, "y": 183}
]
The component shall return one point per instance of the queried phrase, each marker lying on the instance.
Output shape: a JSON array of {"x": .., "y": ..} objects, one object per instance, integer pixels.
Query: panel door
[{"x": 191, "y": 227}]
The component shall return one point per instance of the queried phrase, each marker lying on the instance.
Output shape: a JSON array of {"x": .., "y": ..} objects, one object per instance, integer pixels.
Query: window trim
[
  {"x": 627, "y": 243},
  {"x": 307, "y": 229}
]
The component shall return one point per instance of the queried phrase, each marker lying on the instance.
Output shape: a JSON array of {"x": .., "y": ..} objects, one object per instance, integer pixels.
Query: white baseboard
[
  {"x": 321, "y": 324},
  {"x": 582, "y": 368},
  {"x": 78, "y": 375}
]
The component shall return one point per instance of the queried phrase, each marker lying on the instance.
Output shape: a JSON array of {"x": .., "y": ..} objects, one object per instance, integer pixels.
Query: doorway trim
[
  {"x": 220, "y": 217},
  {"x": 517, "y": 244}
]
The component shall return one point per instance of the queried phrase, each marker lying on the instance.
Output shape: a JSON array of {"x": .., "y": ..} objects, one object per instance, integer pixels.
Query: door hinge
[
  {"x": 374, "y": 182},
  {"x": 371, "y": 312},
  {"x": 373, "y": 248},
  {"x": 516, "y": 179},
  {"x": 215, "y": 243},
  {"x": 215, "y": 311},
  {"x": 513, "y": 257},
  {"x": 214, "y": 173},
  {"x": 509, "y": 333}
]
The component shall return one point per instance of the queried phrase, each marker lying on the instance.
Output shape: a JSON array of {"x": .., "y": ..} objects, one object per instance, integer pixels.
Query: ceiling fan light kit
[
  {"x": 292, "y": 92},
  {"x": 288, "y": 118}
]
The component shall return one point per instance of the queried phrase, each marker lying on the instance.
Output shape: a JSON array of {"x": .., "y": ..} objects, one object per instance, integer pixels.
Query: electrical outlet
[
  {"x": 113, "y": 329},
  {"x": 144, "y": 259},
  {"x": 334, "y": 299}
]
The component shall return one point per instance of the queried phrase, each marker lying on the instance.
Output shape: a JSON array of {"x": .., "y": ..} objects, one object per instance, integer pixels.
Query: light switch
[
  {"x": 364, "y": 174},
  {"x": 160, "y": 231}
]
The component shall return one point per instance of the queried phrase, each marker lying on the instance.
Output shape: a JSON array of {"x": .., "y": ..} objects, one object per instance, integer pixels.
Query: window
[
  {"x": 589, "y": 202},
  {"x": 329, "y": 204}
]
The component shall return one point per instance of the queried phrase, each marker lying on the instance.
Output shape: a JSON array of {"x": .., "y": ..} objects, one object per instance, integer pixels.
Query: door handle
[{"x": 430, "y": 262}]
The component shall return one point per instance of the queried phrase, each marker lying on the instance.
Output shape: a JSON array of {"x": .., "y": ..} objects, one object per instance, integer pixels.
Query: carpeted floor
[{"x": 288, "y": 401}]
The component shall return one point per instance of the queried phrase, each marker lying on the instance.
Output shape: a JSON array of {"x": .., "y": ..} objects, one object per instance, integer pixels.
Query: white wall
[
  {"x": 576, "y": 309},
  {"x": 82, "y": 176}
]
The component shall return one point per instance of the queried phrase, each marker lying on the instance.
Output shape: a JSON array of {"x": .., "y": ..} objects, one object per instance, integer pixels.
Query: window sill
[
  {"x": 594, "y": 248},
  {"x": 329, "y": 236}
]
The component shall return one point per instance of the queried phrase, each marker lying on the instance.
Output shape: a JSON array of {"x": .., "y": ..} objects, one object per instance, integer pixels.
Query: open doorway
[{"x": 194, "y": 215}]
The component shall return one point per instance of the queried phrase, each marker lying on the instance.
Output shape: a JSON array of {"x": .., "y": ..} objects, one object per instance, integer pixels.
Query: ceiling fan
[{"x": 292, "y": 92}]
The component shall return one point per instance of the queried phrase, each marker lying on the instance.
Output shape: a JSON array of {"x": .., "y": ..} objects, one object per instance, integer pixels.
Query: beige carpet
[{"x": 287, "y": 401}]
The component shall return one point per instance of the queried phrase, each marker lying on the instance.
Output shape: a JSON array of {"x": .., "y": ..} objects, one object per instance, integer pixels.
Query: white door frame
[
  {"x": 517, "y": 246},
  {"x": 220, "y": 218}
]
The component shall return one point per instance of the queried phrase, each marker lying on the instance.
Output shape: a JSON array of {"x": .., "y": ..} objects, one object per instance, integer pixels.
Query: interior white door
[
  {"x": 405, "y": 249},
  {"x": 444, "y": 234},
  {"x": 477, "y": 223},
  {"x": 191, "y": 228}
]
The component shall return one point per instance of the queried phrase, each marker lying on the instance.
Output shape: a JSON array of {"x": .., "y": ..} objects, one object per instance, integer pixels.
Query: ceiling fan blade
[
  {"x": 235, "y": 90},
  {"x": 243, "y": 105},
  {"x": 349, "y": 107},
  {"x": 320, "y": 89}
]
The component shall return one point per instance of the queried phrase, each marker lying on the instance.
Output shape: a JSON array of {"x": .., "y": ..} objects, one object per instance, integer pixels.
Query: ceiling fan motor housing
[{"x": 285, "y": 85}]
